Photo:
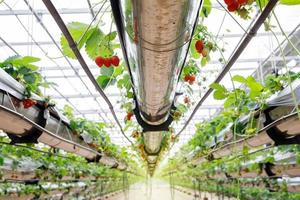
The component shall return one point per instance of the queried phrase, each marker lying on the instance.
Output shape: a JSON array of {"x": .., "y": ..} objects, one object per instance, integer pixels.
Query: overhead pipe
[
  {"x": 155, "y": 37},
  {"x": 82, "y": 62},
  {"x": 235, "y": 55}
]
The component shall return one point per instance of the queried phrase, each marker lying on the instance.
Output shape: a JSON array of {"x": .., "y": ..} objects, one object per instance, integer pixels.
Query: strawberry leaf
[
  {"x": 107, "y": 71},
  {"x": 92, "y": 46},
  {"x": 103, "y": 81},
  {"x": 206, "y": 9},
  {"x": 290, "y": 2},
  {"x": 239, "y": 78},
  {"x": 80, "y": 36}
]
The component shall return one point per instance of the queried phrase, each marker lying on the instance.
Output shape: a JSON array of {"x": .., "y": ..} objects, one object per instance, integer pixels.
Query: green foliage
[
  {"x": 206, "y": 8},
  {"x": 255, "y": 87},
  {"x": 96, "y": 130},
  {"x": 110, "y": 75},
  {"x": 96, "y": 43},
  {"x": 190, "y": 68},
  {"x": 290, "y": 2},
  {"x": 202, "y": 33},
  {"x": 220, "y": 92},
  {"x": 26, "y": 72},
  {"x": 262, "y": 3},
  {"x": 106, "y": 76},
  {"x": 77, "y": 31}
]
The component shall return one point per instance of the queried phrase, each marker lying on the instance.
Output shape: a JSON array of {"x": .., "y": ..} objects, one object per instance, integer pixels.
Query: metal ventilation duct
[
  {"x": 152, "y": 141},
  {"x": 155, "y": 35},
  {"x": 152, "y": 159}
]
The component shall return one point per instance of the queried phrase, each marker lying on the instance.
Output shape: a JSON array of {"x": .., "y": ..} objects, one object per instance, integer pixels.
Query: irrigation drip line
[
  {"x": 81, "y": 60},
  {"x": 245, "y": 31},
  {"x": 91, "y": 9},
  {"x": 57, "y": 46},
  {"x": 9, "y": 46},
  {"x": 244, "y": 43}
]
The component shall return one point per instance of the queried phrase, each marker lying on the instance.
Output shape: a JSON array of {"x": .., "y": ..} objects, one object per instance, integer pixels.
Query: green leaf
[
  {"x": 118, "y": 71},
  {"x": 104, "y": 51},
  {"x": 206, "y": 9},
  {"x": 103, "y": 81},
  {"x": 253, "y": 84},
  {"x": 262, "y": 3},
  {"x": 24, "y": 61},
  {"x": 111, "y": 36},
  {"x": 29, "y": 78},
  {"x": 229, "y": 101},
  {"x": 124, "y": 82},
  {"x": 92, "y": 46},
  {"x": 239, "y": 78},
  {"x": 1, "y": 160},
  {"x": 107, "y": 71},
  {"x": 204, "y": 60},
  {"x": 129, "y": 95},
  {"x": 219, "y": 95},
  {"x": 29, "y": 59},
  {"x": 77, "y": 31},
  {"x": 290, "y": 2},
  {"x": 220, "y": 91},
  {"x": 245, "y": 150},
  {"x": 217, "y": 86}
]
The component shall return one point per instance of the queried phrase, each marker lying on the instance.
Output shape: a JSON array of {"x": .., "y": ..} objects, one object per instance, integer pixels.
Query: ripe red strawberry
[
  {"x": 107, "y": 62},
  {"x": 192, "y": 79},
  {"x": 115, "y": 60},
  {"x": 199, "y": 46},
  {"x": 229, "y": 2},
  {"x": 186, "y": 100},
  {"x": 27, "y": 103},
  {"x": 129, "y": 115},
  {"x": 187, "y": 78},
  {"x": 242, "y": 2},
  {"x": 233, "y": 7},
  {"x": 99, "y": 61}
]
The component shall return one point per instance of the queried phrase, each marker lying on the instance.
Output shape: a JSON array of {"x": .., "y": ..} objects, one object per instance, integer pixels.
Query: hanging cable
[
  {"x": 54, "y": 88},
  {"x": 57, "y": 46},
  {"x": 91, "y": 9},
  {"x": 235, "y": 55},
  {"x": 9, "y": 46},
  {"x": 81, "y": 60}
]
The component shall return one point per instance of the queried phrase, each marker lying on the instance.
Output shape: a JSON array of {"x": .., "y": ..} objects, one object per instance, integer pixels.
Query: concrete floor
[{"x": 160, "y": 191}]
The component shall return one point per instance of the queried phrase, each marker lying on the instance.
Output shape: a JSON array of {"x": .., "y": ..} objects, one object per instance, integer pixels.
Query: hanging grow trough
[
  {"x": 37, "y": 123},
  {"x": 108, "y": 161}
]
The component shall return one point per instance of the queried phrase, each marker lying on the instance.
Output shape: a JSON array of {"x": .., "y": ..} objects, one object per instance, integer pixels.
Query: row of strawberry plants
[
  {"x": 86, "y": 189},
  {"x": 25, "y": 71},
  {"x": 231, "y": 189},
  {"x": 56, "y": 164}
]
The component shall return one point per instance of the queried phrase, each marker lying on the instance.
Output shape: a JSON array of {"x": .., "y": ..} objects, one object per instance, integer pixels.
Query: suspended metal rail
[{"x": 155, "y": 37}]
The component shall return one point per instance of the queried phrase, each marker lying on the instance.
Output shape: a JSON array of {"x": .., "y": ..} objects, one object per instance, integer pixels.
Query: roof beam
[{"x": 62, "y": 11}]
